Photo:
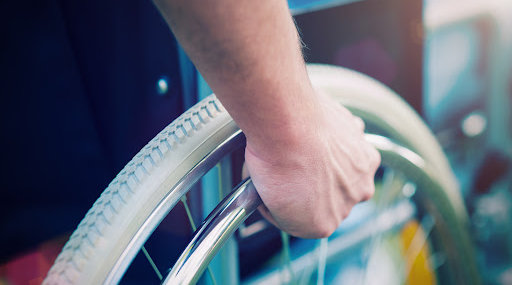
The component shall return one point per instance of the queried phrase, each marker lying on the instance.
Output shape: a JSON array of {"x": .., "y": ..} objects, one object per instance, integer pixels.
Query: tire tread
[{"x": 85, "y": 240}]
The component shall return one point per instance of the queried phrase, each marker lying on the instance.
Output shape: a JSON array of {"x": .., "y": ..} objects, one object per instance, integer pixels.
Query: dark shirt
[{"x": 78, "y": 89}]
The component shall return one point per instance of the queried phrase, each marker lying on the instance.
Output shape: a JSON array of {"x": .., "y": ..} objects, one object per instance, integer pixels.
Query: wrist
[{"x": 291, "y": 131}]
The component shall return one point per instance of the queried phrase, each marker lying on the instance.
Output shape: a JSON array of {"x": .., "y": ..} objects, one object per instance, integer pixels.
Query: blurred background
[{"x": 85, "y": 84}]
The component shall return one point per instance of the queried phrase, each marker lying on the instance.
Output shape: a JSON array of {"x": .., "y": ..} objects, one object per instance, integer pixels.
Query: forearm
[
  {"x": 305, "y": 153},
  {"x": 249, "y": 53}
]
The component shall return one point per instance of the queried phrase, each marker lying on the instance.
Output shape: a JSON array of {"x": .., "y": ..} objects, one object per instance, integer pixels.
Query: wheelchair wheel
[{"x": 143, "y": 193}]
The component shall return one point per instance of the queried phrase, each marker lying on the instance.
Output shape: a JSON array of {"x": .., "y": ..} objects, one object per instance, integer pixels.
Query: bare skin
[{"x": 306, "y": 154}]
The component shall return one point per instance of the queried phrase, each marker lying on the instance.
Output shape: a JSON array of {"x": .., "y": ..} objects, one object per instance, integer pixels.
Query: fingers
[
  {"x": 359, "y": 123},
  {"x": 368, "y": 191},
  {"x": 267, "y": 215},
  {"x": 373, "y": 158}
]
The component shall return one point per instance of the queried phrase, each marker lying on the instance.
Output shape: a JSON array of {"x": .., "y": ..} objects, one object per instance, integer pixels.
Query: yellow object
[{"x": 416, "y": 255}]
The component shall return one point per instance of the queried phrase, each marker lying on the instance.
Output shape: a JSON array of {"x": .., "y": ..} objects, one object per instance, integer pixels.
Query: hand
[{"x": 309, "y": 187}]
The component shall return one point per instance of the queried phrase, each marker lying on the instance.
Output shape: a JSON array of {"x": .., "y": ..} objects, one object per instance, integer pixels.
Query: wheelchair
[{"x": 414, "y": 230}]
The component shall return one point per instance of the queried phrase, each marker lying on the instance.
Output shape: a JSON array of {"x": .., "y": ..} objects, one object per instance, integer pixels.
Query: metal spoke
[
  {"x": 307, "y": 272},
  {"x": 189, "y": 214},
  {"x": 390, "y": 181},
  {"x": 322, "y": 258},
  {"x": 193, "y": 226},
  {"x": 220, "y": 182},
  {"x": 285, "y": 239},
  {"x": 437, "y": 260},
  {"x": 418, "y": 241},
  {"x": 375, "y": 223},
  {"x": 150, "y": 260},
  {"x": 392, "y": 187}
]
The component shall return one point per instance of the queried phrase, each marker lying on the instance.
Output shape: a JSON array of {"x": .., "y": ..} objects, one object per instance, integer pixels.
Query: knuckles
[
  {"x": 324, "y": 226},
  {"x": 325, "y": 232},
  {"x": 321, "y": 230},
  {"x": 368, "y": 192}
]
